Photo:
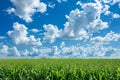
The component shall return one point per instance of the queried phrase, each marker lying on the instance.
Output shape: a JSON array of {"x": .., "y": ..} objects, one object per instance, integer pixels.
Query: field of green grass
[{"x": 60, "y": 69}]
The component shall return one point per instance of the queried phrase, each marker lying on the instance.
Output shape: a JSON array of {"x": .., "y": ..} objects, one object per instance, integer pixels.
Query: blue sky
[{"x": 60, "y": 28}]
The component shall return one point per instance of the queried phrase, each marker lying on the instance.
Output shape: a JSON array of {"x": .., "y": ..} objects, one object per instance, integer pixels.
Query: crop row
[{"x": 60, "y": 69}]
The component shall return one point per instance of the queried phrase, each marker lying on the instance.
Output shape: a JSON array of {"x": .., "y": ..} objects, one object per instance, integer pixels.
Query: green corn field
[{"x": 60, "y": 69}]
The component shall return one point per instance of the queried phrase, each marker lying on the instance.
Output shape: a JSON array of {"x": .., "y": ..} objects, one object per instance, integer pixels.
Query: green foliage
[{"x": 59, "y": 69}]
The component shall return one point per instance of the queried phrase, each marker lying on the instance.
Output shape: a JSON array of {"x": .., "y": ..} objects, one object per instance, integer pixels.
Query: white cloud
[
  {"x": 10, "y": 10},
  {"x": 116, "y": 15},
  {"x": 76, "y": 51},
  {"x": 2, "y": 37},
  {"x": 20, "y": 36},
  {"x": 40, "y": 52},
  {"x": 79, "y": 3},
  {"x": 24, "y": 9},
  {"x": 107, "y": 1},
  {"x": 51, "y": 5},
  {"x": 107, "y": 38},
  {"x": 4, "y": 49},
  {"x": 96, "y": 50},
  {"x": 110, "y": 2},
  {"x": 105, "y": 6},
  {"x": 55, "y": 51},
  {"x": 25, "y": 53},
  {"x": 97, "y": 25},
  {"x": 13, "y": 52},
  {"x": 34, "y": 52},
  {"x": 7, "y": 51},
  {"x": 119, "y": 5},
  {"x": 61, "y": 1},
  {"x": 62, "y": 45},
  {"x": 92, "y": 50},
  {"x": 106, "y": 10},
  {"x": 116, "y": 52},
  {"x": 115, "y": 1},
  {"x": 45, "y": 51},
  {"x": 51, "y": 33},
  {"x": 35, "y": 30},
  {"x": 72, "y": 51},
  {"x": 1, "y": 43},
  {"x": 107, "y": 13},
  {"x": 82, "y": 24}
]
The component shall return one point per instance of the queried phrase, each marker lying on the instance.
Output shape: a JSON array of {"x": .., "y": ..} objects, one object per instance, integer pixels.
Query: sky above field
[{"x": 60, "y": 28}]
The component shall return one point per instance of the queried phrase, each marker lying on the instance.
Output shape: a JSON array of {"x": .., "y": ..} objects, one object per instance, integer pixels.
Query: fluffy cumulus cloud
[
  {"x": 7, "y": 51},
  {"x": 35, "y": 30},
  {"x": 116, "y": 15},
  {"x": 20, "y": 36},
  {"x": 92, "y": 50},
  {"x": 81, "y": 24},
  {"x": 55, "y": 51},
  {"x": 42, "y": 52},
  {"x": 106, "y": 10},
  {"x": 51, "y": 32},
  {"x": 109, "y": 37},
  {"x": 73, "y": 51},
  {"x": 14, "y": 52},
  {"x": 111, "y": 2},
  {"x": 105, "y": 7},
  {"x": 76, "y": 51},
  {"x": 24, "y": 9},
  {"x": 4, "y": 49}
]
